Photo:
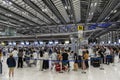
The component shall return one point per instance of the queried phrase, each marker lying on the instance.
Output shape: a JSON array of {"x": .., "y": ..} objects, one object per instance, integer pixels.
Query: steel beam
[
  {"x": 117, "y": 14},
  {"x": 54, "y": 10},
  {"x": 107, "y": 9},
  {"x": 118, "y": 5},
  {"x": 13, "y": 20},
  {"x": 34, "y": 6},
  {"x": 72, "y": 10},
  {"x": 23, "y": 9},
  {"x": 17, "y": 15}
]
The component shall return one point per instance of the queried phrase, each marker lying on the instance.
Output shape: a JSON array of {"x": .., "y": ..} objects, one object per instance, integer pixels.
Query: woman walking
[{"x": 11, "y": 64}]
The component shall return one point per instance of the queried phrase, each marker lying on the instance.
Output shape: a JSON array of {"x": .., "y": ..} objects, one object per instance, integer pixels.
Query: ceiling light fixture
[
  {"x": 44, "y": 10},
  {"x": 21, "y": 20},
  {"x": 89, "y": 13},
  {"x": 108, "y": 17},
  {"x": 115, "y": 11},
  {"x": 91, "y": 4},
  {"x": 92, "y": 13},
  {"x": 6, "y": 2},
  {"x": 112, "y": 11},
  {"x": 95, "y": 4},
  {"x": 65, "y": 7}
]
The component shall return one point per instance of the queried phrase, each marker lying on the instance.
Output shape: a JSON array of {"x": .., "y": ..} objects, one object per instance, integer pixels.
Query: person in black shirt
[{"x": 65, "y": 59}]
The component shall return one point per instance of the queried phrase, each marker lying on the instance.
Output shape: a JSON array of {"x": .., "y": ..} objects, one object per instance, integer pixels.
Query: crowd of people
[{"x": 55, "y": 58}]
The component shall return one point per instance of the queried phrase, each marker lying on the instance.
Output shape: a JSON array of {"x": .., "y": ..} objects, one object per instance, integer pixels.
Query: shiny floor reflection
[{"x": 110, "y": 72}]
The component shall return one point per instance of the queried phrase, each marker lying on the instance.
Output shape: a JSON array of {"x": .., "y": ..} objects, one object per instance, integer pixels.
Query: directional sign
[{"x": 80, "y": 28}]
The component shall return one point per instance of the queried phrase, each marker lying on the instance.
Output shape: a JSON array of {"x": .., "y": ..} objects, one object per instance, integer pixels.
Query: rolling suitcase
[
  {"x": 57, "y": 67},
  {"x": 96, "y": 63}
]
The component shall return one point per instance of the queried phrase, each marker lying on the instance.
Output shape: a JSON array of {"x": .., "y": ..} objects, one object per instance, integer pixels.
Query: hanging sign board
[{"x": 80, "y": 28}]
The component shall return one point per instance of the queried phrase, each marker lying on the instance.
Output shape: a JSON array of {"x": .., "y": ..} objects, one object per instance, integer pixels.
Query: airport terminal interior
[{"x": 59, "y": 39}]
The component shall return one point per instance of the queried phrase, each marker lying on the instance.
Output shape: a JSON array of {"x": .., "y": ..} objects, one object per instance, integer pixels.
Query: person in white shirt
[
  {"x": 46, "y": 60},
  {"x": 53, "y": 59},
  {"x": 35, "y": 57},
  {"x": 108, "y": 56},
  {"x": 15, "y": 54},
  {"x": 41, "y": 52}
]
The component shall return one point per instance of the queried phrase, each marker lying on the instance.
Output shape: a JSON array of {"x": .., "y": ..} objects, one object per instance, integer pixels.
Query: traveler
[
  {"x": 119, "y": 54},
  {"x": 41, "y": 59},
  {"x": 46, "y": 60},
  {"x": 65, "y": 59},
  {"x": 108, "y": 56},
  {"x": 53, "y": 58},
  {"x": 1, "y": 55},
  {"x": 85, "y": 57},
  {"x": 76, "y": 62},
  {"x": 20, "y": 58},
  {"x": 11, "y": 64},
  {"x": 69, "y": 58},
  {"x": 15, "y": 54},
  {"x": 35, "y": 57}
]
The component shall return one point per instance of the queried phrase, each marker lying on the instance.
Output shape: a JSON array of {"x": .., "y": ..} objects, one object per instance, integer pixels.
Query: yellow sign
[{"x": 80, "y": 28}]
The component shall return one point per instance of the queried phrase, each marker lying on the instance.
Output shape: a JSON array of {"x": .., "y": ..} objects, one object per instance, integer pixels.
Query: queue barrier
[{"x": 92, "y": 58}]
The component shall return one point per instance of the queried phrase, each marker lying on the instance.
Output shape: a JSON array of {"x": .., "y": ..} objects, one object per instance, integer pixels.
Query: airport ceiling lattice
[{"x": 56, "y": 16}]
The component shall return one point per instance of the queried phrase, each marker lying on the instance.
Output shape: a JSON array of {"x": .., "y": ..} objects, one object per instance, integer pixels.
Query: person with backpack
[{"x": 11, "y": 65}]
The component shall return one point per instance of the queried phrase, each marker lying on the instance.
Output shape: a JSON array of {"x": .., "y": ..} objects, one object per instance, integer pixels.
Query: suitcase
[
  {"x": 57, "y": 67},
  {"x": 96, "y": 63},
  {"x": 75, "y": 66}
]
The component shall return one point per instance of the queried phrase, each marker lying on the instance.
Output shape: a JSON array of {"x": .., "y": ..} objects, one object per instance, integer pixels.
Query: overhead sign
[{"x": 80, "y": 28}]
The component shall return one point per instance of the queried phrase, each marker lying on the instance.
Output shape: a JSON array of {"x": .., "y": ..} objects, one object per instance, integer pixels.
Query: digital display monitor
[
  {"x": 22, "y": 43},
  {"x": 56, "y": 42},
  {"x": 36, "y": 43},
  {"x": 10, "y": 43},
  {"x": 50, "y": 42},
  {"x": 14, "y": 43},
  {"x": 41, "y": 42},
  {"x": 27, "y": 43}
]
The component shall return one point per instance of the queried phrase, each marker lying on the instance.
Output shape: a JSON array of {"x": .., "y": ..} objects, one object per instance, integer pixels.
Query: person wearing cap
[{"x": 11, "y": 65}]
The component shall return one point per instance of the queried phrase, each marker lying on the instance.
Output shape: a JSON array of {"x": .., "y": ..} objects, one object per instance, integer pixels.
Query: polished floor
[{"x": 110, "y": 72}]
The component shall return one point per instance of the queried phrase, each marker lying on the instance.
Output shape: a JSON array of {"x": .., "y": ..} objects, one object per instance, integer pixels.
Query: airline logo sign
[{"x": 80, "y": 28}]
